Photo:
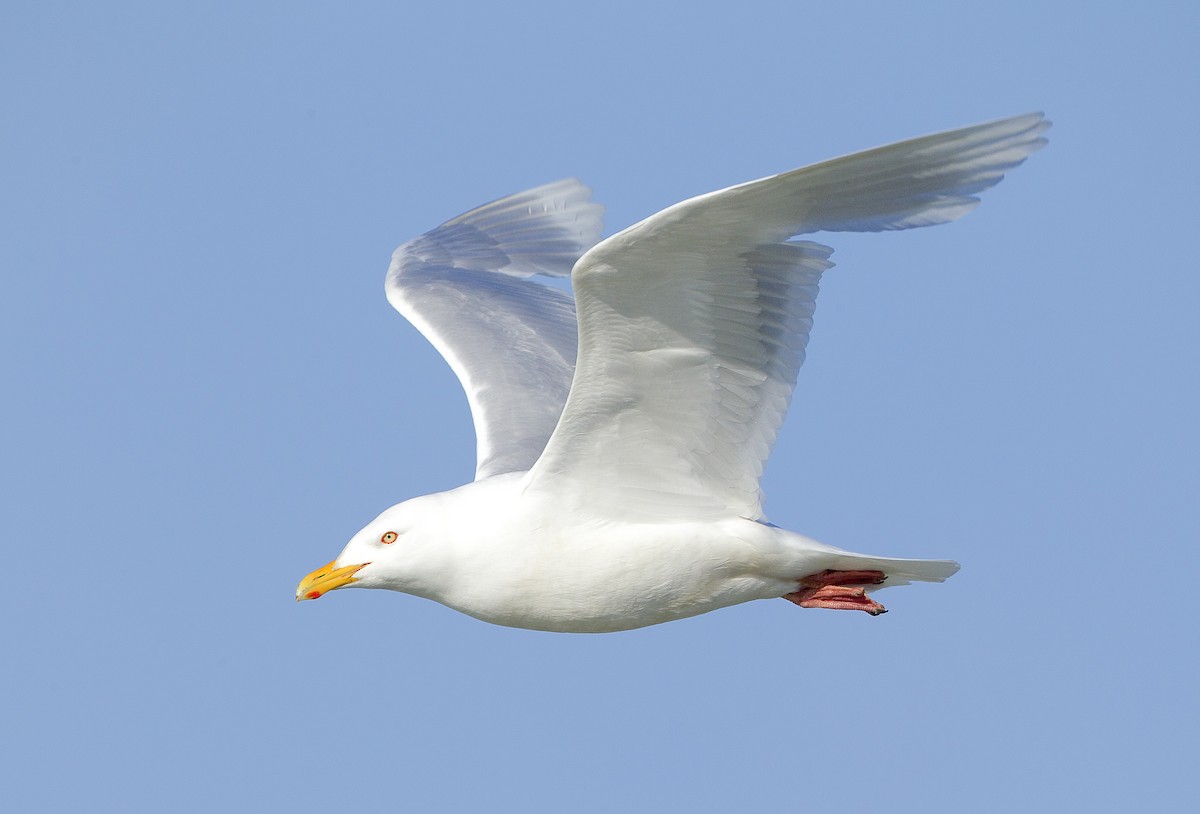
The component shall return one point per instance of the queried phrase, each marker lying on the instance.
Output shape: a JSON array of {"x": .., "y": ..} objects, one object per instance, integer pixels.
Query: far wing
[
  {"x": 510, "y": 340},
  {"x": 693, "y": 323}
]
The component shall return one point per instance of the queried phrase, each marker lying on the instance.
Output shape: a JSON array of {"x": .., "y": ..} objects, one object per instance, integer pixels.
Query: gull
[{"x": 622, "y": 433}]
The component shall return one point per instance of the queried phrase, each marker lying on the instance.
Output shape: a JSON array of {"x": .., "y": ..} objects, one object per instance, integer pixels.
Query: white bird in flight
[{"x": 622, "y": 434}]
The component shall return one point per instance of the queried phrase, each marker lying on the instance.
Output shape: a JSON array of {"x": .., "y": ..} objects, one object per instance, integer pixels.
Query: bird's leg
[
  {"x": 836, "y": 589},
  {"x": 828, "y": 577}
]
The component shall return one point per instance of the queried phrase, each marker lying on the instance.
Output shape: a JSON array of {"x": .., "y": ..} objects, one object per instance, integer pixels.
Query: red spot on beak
[{"x": 313, "y": 594}]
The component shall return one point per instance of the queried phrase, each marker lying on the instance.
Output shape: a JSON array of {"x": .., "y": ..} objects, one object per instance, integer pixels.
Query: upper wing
[
  {"x": 693, "y": 323},
  {"x": 510, "y": 340}
]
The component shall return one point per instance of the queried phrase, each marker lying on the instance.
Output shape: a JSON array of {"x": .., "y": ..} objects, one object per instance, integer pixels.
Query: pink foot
[{"x": 833, "y": 589}]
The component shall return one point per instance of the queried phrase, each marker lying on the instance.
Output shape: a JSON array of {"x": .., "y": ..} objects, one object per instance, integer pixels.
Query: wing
[
  {"x": 510, "y": 340},
  {"x": 693, "y": 323}
]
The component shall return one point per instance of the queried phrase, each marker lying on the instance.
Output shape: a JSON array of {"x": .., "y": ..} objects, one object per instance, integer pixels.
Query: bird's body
[
  {"x": 618, "y": 467},
  {"x": 558, "y": 568}
]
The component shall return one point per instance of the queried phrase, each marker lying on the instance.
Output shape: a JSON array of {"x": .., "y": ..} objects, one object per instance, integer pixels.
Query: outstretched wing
[
  {"x": 693, "y": 323},
  {"x": 510, "y": 340}
]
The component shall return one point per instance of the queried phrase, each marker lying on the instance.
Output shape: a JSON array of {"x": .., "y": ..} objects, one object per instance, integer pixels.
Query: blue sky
[{"x": 207, "y": 394}]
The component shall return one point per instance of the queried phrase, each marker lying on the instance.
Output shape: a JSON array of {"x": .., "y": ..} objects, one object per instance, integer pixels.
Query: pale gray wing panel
[
  {"x": 693, "y": 322},
  {"x": 510, "y": 340}
]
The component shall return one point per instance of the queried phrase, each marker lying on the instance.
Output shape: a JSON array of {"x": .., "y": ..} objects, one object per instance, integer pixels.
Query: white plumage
[{"x": 621, "y": 488}]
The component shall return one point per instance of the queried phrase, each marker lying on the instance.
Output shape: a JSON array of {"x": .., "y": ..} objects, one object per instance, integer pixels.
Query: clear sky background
[{"x": 206, "y": 394}]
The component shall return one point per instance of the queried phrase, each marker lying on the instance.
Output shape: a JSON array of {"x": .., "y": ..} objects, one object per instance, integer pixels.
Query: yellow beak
[{"x": 325, "y": 579}]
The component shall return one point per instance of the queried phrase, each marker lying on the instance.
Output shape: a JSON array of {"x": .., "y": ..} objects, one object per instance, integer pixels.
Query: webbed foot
[{"x": 836, "y": 590}]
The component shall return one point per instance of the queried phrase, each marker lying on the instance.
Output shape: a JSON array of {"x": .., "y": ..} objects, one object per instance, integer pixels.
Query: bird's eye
[{"x": 390, "y": 537}]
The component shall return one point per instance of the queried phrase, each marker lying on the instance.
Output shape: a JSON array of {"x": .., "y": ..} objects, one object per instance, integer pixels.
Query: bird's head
[{"x": 392, "y": 551}]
